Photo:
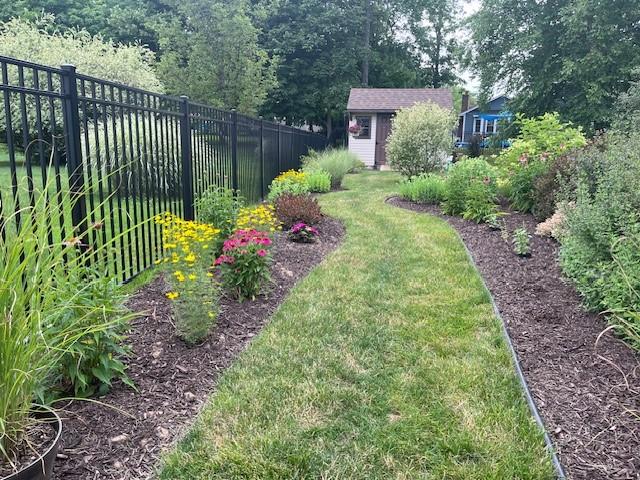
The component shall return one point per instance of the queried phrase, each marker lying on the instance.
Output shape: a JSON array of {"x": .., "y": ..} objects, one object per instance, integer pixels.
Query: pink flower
[
  {"x": 262, "y": 252},
  {"x": 266, "y": 241}
]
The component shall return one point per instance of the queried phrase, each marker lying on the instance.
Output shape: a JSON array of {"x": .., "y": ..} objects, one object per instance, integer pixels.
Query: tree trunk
[
  {"x": 436, "y": 57},
  {"x": 329, "y": 125},
  {"x": 367, "y": 44}
]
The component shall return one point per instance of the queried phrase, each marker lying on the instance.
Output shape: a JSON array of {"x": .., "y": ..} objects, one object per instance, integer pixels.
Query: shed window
[
  {"x": 491, "y": 126},
  {"x": 365, "y": 126}
]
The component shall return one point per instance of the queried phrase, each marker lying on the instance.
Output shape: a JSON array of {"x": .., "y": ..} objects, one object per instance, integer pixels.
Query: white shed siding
[{"x": 365, "y": 148}]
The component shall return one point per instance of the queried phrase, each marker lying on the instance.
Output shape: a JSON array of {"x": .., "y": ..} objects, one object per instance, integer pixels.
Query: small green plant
[
  {"x": 286, "y": 186},
  {"x": 244, "y": 263},
  {"x": 471, "y": 189},
  {"x": 318, "y": 181},
  {"x": 196, "y": 309},
  {"x": 494, "y": 220},
  {"x": 89, "y": 365},
  {"x": 427, "y": 188},
  {"x": 219, "y": 206},
  {"x": 520, "y": 241}
]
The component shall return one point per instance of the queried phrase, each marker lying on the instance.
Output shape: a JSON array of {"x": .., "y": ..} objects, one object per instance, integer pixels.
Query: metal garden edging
[{"x": 560, "y": 475}]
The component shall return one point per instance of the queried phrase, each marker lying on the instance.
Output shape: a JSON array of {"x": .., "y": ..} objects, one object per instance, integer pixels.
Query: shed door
[{"x": 383, "y": 127}]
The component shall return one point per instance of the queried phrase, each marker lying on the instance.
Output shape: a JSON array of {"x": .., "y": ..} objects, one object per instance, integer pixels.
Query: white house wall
[{"x": 365, "y": 148}]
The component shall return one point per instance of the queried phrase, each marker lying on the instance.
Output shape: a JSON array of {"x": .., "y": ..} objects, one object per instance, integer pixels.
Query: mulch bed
[
  {"x": 173, "y": 381},
  {"x": 586, "y": 386}
]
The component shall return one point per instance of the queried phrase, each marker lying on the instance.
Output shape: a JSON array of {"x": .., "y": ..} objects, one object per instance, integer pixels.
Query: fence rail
[{"x": 124, "y": 155}]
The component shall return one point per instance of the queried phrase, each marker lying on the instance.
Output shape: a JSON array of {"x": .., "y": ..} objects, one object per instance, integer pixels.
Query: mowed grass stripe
[{"x": 385, "y": 362}]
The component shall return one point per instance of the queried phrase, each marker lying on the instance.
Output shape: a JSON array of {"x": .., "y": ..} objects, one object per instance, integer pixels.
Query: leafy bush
[
  {"x": 426, "y": 188},
  {"x": 89, "y": 365},
  {"x": 188, "y": 256},
  {"x": 42, "y": 41},
  {"x": 420, "y": 140},
  {"x": 336, "y": 162},
  {"x": 286, "y": 186},
  {"x": 555, "y": 225},
  {"x": 541, "y": 142},
  {"x": 471, "y": 189},
  {"x": 292, "y": 209},
  {"x": 302, "y": 233},
  {"x": 549, "y": 185},
  {"x": 219, "y": 206},
  {"x": 520, "y": 241},
  {"x": 318, "y": 181},
  {"x": 263, "y": 217},
  {"x": 599, "y": 247},
  {"x": 244, "y": 263},
  {"x": 522, "y": 193}
]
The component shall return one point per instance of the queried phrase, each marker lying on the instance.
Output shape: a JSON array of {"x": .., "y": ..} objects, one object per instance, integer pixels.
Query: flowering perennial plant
[
  {"x": 294, "y": 176},
  {"x": 188, "y": 254},
  {"x": 302, "y": 233},
  {"x": 244, "y": 263},
  {"x": 263, "y": 218}
]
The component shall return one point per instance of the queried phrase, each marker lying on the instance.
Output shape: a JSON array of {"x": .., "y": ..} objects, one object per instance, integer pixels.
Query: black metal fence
[{"x": 124, "y": 155}]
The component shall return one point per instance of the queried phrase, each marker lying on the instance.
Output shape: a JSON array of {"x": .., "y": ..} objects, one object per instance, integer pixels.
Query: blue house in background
[{"x": 484, "y": 123}]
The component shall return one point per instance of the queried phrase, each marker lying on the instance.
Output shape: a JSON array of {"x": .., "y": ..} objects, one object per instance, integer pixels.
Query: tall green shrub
[
  {"x": 599, "y": 252},
  {"x": 420, "y": 140}
]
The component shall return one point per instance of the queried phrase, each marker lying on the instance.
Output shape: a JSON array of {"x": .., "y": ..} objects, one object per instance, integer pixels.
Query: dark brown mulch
[
  {"x": 39, "y": 439},
  {"x": 173, "y": 381},
  {"x": 587, "y": 390}
]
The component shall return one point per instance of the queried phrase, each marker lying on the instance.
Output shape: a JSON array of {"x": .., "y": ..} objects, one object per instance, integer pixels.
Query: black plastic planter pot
[{"x": 42, "y": 468}]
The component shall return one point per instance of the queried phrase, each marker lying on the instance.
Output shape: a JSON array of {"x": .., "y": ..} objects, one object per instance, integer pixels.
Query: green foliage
[
  {"x": 520, "y": 241},
  {"x": 244, "y": 264},
  {"x": 336, "y": 162},
  {"x": 286, "y": 186},
  {"x": 539, "y": 145},
  {"x": 550, "y": 185},
  {"x": 292, "y": 209},
  {"x": 599, "y": 244},
  {"x": 194, "y": 317},
  {"x": 28, "y": 308},
  {"x": 89, "y": 365},
  {"x": 219, "y": 206},
  {"x": 43, "y": 41},
  {"x": 570, "y": 56},
  {"x": 318, "y": 181},
  {"x": 426, "y": 188},
  {"x": 522, "y": 192},
  {"x": 420, "y": 139},
  {"x": 471, "y": 189},
  {"x": 210, "y": 52}
]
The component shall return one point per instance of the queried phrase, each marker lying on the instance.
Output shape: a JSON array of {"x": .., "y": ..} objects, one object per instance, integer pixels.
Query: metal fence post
[
  {"x": 234, "y": 150},
  {"x": 278, "y": 156},
  {"x": 187, "y": 162},
  {"x": 293, "y": 155},
  {"x": 261, "y": 158},
  {"x": 71, "y": 121}
]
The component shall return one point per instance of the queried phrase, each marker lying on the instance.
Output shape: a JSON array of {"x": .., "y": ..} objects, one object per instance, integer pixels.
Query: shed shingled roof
[{"x": 392, "y": 99}]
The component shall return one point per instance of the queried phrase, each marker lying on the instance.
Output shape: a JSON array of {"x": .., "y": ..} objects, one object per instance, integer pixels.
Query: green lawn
[{"x": 385, "y": 362}]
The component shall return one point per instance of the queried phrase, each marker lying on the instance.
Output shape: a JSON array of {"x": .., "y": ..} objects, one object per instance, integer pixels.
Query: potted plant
[{"x": 32, "y": 271}]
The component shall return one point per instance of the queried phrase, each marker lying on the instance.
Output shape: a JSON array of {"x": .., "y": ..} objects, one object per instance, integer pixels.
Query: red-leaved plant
[{"x": 244, "y": 263}]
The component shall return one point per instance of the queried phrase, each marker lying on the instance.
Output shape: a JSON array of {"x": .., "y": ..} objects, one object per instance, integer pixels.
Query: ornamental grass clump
[
  {"x": 35, "y": 294},
  {"x": 189, "y": 251},
  {"x": 319, "y": 181},
  {"x": 302, "y": 233},
  {"x": 426, "y": 188},
  {"x": 244, "y": 263}
]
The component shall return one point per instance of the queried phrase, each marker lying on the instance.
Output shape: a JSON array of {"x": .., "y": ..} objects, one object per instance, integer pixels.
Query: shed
[{"x": 371, "y": 109}]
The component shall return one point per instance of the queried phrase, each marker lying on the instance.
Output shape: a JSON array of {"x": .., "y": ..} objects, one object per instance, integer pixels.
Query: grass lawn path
[{"x": 385, "y": 362}]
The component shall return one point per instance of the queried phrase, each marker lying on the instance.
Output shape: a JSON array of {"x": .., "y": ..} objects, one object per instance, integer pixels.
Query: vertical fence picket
[
  {"x": 71, "y": 120},
  {"x": 187, "y": 160}
]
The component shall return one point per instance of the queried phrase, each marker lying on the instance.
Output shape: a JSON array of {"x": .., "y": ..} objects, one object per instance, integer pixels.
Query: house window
[
  {"x": 491, "y": 127},
  {"x": 477, "y": 125},
  {"x": 365, "y": 126}
]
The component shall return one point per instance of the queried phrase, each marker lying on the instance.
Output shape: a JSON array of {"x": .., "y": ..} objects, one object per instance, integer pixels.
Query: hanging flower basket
[{"x": 355, "y": 129}]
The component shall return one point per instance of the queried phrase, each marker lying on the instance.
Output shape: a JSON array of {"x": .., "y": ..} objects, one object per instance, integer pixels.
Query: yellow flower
[
  {"x": 191, "y": 276},
  {"x": 172, "y": 295}
]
